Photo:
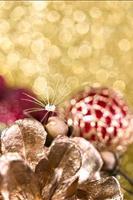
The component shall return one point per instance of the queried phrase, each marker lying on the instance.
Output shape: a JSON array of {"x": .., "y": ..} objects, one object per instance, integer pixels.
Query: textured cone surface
[
  {"x": 65, "y": 171},
  {"x": 17, "y": 181},
  {"x": 27, "y": 137}
]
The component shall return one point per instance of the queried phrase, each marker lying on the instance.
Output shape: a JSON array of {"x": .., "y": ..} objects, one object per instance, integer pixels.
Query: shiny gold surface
[{"x": 55, "y": 47}]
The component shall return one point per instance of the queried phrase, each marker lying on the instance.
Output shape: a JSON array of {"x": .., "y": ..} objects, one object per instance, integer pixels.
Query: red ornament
[{"x": 101, "y": 116}]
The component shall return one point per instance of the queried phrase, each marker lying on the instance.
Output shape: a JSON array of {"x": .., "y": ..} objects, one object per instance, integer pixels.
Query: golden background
[{"x": 65, "y": 44}]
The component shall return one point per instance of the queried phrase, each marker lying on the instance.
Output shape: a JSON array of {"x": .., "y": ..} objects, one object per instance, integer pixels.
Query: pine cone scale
[{"x": 67, "y": 170}]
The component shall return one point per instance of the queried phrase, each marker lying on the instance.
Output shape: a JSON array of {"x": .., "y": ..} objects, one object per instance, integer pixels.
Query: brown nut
[{"x": 56, "y": 126}]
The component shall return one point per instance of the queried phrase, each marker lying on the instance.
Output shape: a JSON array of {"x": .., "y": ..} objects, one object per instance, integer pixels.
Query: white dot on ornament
[
  {"x": 73, "y": 101},
  {"x": 84, "y": 111},
  {"x": 124, "y": 45},
  {"x": 114, "y": 123},
  {"x": 110, "y": 129},
  {"x": 82, "y": 104},
  {"x": 117, "y": 116},
  {"x": 87, "y": 99},
  {"x": 106, "y": 113},
  {"x": 95, "y": 106},
  {"x": 101, "y": 123},
  {"x": 88, "y": 118},
  {"x": 93, "y": 124}
]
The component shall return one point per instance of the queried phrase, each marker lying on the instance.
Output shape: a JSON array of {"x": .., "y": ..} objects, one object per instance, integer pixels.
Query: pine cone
[{"x": 68, "y": 170}]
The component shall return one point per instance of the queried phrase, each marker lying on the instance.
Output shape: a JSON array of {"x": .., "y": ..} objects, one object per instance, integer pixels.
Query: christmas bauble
[{"x": 101, "y": 116}]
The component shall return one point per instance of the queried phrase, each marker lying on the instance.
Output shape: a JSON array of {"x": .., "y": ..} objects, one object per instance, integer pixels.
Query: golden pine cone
[{"x": 68, "y": 170}]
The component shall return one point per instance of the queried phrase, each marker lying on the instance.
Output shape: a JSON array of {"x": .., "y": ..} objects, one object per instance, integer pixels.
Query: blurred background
[{"x": 67, "y": 44}]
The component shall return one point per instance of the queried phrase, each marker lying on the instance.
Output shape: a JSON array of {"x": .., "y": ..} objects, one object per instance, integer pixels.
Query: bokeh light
[{"x": 49, "y": 45}]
